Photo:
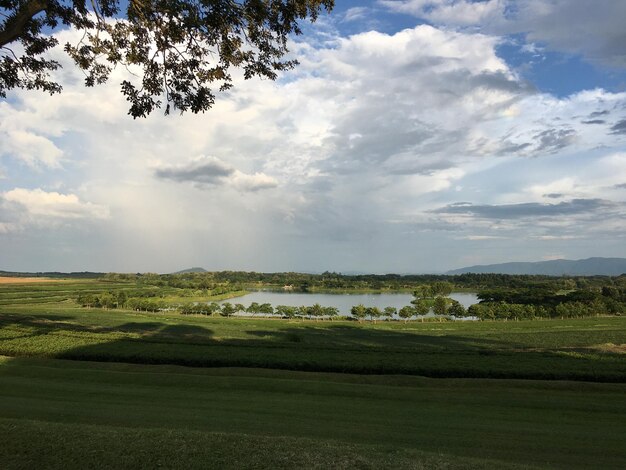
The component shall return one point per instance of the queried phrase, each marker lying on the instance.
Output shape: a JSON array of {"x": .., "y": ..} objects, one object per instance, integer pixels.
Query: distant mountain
[
  {"x": 191, "y": 270},
  {"x": 54, "y": 274},
  {"x": 558, "y": 267}
]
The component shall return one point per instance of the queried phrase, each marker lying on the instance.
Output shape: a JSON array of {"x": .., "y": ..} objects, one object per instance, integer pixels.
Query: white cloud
[
  {"x": 255, "y": 182},
  {"x": 41, "y": 208},
  {"x": 29, "y": 147},
  {"x": 356, "y": 13},
  {"x": 357, "y": 144}
]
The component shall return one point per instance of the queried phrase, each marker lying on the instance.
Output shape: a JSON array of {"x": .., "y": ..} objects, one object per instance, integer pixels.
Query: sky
[{"x": 415, "y": 136}]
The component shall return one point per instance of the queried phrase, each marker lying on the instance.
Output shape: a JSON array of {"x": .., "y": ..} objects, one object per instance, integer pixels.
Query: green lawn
[{"x": 72, "y": 413}]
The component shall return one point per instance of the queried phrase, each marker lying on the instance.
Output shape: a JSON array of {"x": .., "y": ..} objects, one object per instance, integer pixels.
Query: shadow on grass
[{"x": 322, "y": 348}]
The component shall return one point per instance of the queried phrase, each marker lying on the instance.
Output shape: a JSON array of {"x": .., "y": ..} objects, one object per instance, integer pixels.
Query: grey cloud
[
  {"x": 512, "y": 148},
  {"x": 620, "y": 186},
  {"x": 554, "y": 195},
  {"x": 421, "y": 166},
  {"x": 529, "y": 209},
  {"x": 203, "y": 171},
  {"x": 599, "y": 113},
  {"x": 600, "y": 34},
  {"x": 594, "y": 121},
  {"x": 619, "y": 128},
  {"x": 501, "y": 81},
  {"x": 553, "y": 140}
]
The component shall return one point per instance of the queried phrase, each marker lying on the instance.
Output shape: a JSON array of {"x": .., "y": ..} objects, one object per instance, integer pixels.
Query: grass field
[
  {"x": 249, "y": 417},
  {"x": 308, "y": 394}
]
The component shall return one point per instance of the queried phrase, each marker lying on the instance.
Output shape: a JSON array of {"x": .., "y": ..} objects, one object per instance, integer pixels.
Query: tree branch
[{"x": 14, "y": 27}]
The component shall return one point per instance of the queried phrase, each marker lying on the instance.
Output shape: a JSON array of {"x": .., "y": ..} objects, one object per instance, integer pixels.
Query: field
[{"x": 87, "y": 387}]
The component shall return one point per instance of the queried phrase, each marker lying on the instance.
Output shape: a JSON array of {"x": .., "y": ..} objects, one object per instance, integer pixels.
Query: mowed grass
[
  {"x": 70, "y": 414},
  {"x": 589, "y": 349},
  {"x": 268, "y": 393}
]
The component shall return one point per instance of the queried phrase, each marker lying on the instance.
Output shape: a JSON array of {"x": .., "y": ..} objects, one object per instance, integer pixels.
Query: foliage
[{"x": 184, "y": 49}]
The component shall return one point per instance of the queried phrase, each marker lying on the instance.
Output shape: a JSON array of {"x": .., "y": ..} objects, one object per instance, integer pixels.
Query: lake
[{"x": 344, "y": 302}]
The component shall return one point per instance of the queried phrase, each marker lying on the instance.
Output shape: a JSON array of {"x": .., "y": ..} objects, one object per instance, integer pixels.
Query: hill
[
  {"x": 559, "y": 267},
  {"x": 191, "y": 270}
]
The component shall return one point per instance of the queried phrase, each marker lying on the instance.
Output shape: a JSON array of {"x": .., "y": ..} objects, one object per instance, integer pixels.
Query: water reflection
[{"x": 343, "y": 302}]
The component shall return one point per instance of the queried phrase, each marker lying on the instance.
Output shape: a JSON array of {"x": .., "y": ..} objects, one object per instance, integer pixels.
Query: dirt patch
[
  {"x": 611, "y": 348},
  {"x": 25, "y": 280}
]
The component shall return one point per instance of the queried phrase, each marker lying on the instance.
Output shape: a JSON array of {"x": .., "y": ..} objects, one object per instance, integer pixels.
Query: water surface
[{"x": 343, "y": 302}]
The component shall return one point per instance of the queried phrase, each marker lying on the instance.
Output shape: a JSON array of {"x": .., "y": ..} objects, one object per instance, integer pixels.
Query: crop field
[{"x": 85, "y": 387}]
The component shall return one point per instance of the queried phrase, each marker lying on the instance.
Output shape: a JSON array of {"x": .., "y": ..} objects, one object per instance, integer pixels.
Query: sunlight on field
[{"x": 27, "y": 280}]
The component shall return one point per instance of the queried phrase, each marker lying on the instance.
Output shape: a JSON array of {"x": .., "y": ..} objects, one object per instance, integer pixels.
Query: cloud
[
  {"x": 619, "y": 128},
  {"x": 525, "y": 210},
  {"x": 563, "y": 25},
  {"x": 255, "y": 182},
  {"x": 356, "y": 13},
  {"x": 21, "y": 208},
  {"x": 462, "y": 12},
  {"x": 205, "y": 172},
  {"x": 362, "y": 143},
  {"x": 595, "y": 114},
  {"x": 553, "y": 140},
  {"x": 30, "y": 148},
  {"x": 202, "y": 171}
]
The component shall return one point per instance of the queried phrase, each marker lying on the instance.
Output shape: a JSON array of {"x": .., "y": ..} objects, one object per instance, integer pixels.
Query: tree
[
  {"x": 286, "y": 311},
  {"x": 316, "y": 311},
  {"x": 182, "y": 48},
  {"x": 331, "y": 312},
  {"x": 422, "y": 307},
  {"x": 253, "y": 308},
  {"x": 374, "y": 313},
  {"x": 266, "y": 309},
  {"x": 359, "y": 312},
  {"x": 121, "y": 298},
  {"x": 389, "y": 312},
  {"x": 406, "y": 312},
  {"x": 440, "y": 307},
  {"x": 456, "y": 309},
  {"x": 227, "y": 309},
  {"x": 214, "y": 308}
]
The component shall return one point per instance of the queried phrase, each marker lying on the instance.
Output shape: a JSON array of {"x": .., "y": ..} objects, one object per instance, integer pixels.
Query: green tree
[
  {"x": 303, "y": 311},
  {"x": 121, "y": 298},
  {"x": 374, "y": 313},
  {"x": 422, "y": 307},
  {"x": 266, "y": 309},
  {"x": 441, "y": 288},
  {"x": 440, "y": 306},
  {"x": 331, "y": 312},
  {"x": 253, "y": 308},
  {"x": 422, "y": 292},
  {"x": 316, "y": 311},
  {"x": 285, "y": 311},
  {"x": 406, "y": 313},
  {"x": 183, "y": 49},
  {"x": 389, "y": 312},
  {"x": 214, "y": 308},
  {"x": 227, "y": 309},
  {"x": 359, "y": 312},
  {"x": 456, "y": 309}
]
